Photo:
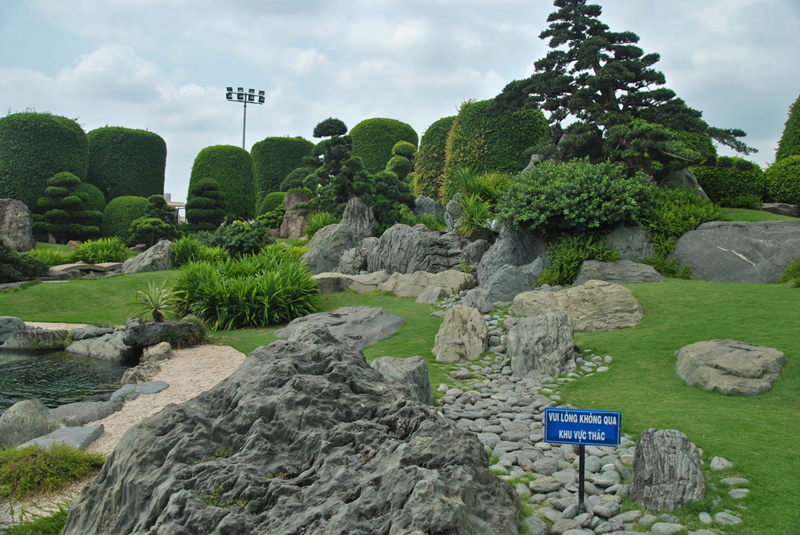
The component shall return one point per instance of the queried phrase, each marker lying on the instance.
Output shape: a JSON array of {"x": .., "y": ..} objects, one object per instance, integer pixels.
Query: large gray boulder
[
  {"x": 156, "y": 258},
  {"x": 8, "y": 326},
  {"x": 684, "y": 179},
  {"x": 735, "y": 251},
  {"x": 632, "y": 242},
  {"x": 507, "y": 282},
  {"x": 355, "y": 326},
  {"x": 150, "y": 333},
  {"x": 622, "y": 272},
  {"x": 412, "y": 372},
  {"x": 327, "y": 246},
  {"x": 339, "y": 282},
  {"x": 360, "y": 218},
  {"x": 85, "y": 333},
  {"x": 37, "y": 339},
  {"x": 478, "y": 298},
  {"x": 426, "y": 205},
  {"x": 24, "y": 421},
  {"x": 110, "y": 347},
  {"x": 475, "y": 251},
  {"x": 512, "y": 248},
  {"x": 541, "y": 346},
  {"x": 75, "y": 437},
  {"x": 667, "y": 471},
  {"x": 316, "y": 442},
  {"x": 413, "y": 284},
  {"x": 733, "y": 368},
  {"x": 462, "y": 335},
  {"x": 594, "y": 306},
  {"x": 83, "y": 412},
  {"x": 404, "y": 249},
  {"x": 16, "y": 225},
  {"x": 294, "y": 220},
  {"x": 353, "y": 261}
]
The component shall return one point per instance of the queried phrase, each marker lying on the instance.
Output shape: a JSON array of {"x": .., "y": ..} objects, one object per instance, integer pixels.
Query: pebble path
[{"x": 507, "y": 412}]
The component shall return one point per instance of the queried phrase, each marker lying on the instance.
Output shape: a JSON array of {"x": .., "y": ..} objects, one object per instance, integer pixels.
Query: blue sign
[{"x": 576, "y": 426}]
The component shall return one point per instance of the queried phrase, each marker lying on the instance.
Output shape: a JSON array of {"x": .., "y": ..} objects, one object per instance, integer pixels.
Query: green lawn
[{"x": 742, "y": 214}]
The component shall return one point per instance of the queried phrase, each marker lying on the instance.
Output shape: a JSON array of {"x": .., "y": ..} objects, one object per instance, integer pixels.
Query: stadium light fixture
[{"x": 245, "y": 98}]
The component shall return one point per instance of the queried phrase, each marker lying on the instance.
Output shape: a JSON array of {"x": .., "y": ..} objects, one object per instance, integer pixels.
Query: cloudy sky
[{"x": 163, "y": 65}]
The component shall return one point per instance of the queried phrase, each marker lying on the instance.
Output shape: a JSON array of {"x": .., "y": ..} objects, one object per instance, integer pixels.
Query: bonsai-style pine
[
  {"x": 205, "y": 209},
  {"x": 63, "y": 212},
  {"x": 158, "y": 223}
]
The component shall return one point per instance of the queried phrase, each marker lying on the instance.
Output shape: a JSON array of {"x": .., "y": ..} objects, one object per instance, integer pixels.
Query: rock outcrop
[
  {"x": 508, "y": 281},
  {"x": 413, "y": 284},
  {"x": 622, "y": 272},
  {"x": 360, "y": 218},
  {"x": 110, "y": 347},
  {"x": 339, "y": 282},
  {"x": 426, "y": 205},
  {"x": 294, "y": 221},
  {"x": 8, "y": 326},
  {"x": 150, "y": 333},
  {"x": 156, "y": 258},
  {"x": 16, "y": 225},
  {"x": 541, "y": 346},
  {"x": 411, "y": 372},
  {"x": 37, "y": 339},
  {"x": 462, "y": 335},
  {"x": 327, "y": 246},
  {"x": 404, "y": 249},
  {"x": 632, "y": 242},
  {"x": 353, "y": 261},
  {"x": 781, "y": 208},
  {"x": 355, "y": 326},
  {"x": 315, "y": 441},
  {"x": 512, "y": 248}
]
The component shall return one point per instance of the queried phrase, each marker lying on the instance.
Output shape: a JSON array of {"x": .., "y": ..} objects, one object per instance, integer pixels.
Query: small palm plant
[
  {"x": 475, "y": 214},
  {"x": 155, "y": 302}
]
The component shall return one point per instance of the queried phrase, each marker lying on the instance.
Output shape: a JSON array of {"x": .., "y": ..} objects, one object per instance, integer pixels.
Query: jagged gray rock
[
  {"x": 684, "y": 179},
  {"x": 360, "y": 218},
  {"x": 316, "y": 442},
  {"x": 541, "y": 346},
  {"x": 462, "y": 335},
  {"x": 736, "y": 251},
  {"x": 512, "y": 248},
  {"x": 479, "y": 298},
  {"x": 509, "y": 281},
  {"x": 24, "y": 421},
  {"x": 622, "y": 272},
  {"x": 667, "y": 471},
  {"x": 150, "y": 333},
  {"x": 733, "y": 368},
  {"x": 141, "y": 373},
  {"x": 340, "y": 282},
  {"x": 452, "y": 212},
  {"x": 83, "y": 412},
  {"x": 412, "y": 285},
  {"x": 412, "y": 372},
  {"x": 404, "y": 249},
  {"x": 85, "y": 333},
  {"x": 8, "y": 326},
  {"x": 16, "y": 225},
  {"x": 632, "y": 242},
  {"x": 327, "y": 246},
  {"x": 426, "y": 205},
  {"x": 355, "y": 326},
  {"x": 110, "y": 347},
  {"x": 353, "y": 261},
  {"x": 37, "y": 339},
  {"x": 475, "y": 251},
  {"x": 156, "y": 258}
]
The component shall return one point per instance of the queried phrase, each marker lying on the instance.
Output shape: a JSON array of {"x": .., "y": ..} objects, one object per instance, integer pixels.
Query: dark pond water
[{"x": 55, "y": 378}]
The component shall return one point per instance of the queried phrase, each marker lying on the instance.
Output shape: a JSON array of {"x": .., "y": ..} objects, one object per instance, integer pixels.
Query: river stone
[
  {"x": 404, "y": 249},
  {"x": 737, "y": 251},
  {"x": 431, "y": 294},
  {"x": 339, "y": 282},
  {"x": 316, "y": 442},
  {"x": 156, "y": 258},
  {"x": 632, "y": 242},
  {"x": 621, "y": 272},
  {"x": 8, "y": 326},
  {"x": 412, "y": 372},
  {"x": 512, "y": 248},
  {"x": 75, "y": 437},
  {"x": 353, "y": 261},
  {"x": 85, "y": 333},
  {"x": 128, "y": 392},
  {"x": 542, "y": 346},
  {"x": 294, "y": 221},
  {"x": 360, "y": 218},
  {"x": 594, "y": 306},
  {"x": 731, "y": 367},
  {"x": 16, "y": 225},
  {"x": 536, "y": 525},
  {"x": 355, "y": 326},
  {"x": 24, "y": 421},
  {"x": 781, "y": 208},
  {"x": 150, "y": 333},
  {"x": 37, "y": 339},
  {"x": 462, "y": 335},
  {"x": 327, "y": 246},
  {"x": 426, "y": 205},
  {"x": 479, "y": 298},
  {"x": 83, "y": 412},
  {"x": 411, "y": 285},
  {"x": 110, "y": 347},
  {"x": 667, "y": 471},
  {"x": 666, "y": 528}
]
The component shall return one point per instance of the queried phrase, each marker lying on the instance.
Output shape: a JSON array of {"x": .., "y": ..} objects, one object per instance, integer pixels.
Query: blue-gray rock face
[
  {"x": 404, "y": 249},
  {"x": 355, "y": 326},
  {"x": 83, "y": 412},
  {"x": 75, "y": 437},
  {"x": 145, "y": 334},
  {"x": 513, "y": 248},
  {"x": 37, "y": 339},
  {"x": 316, "y": 442},
  {"x": 426, "y": 205},
  {"x": 8, "y": 326},
  {"x": 736, "y": 251},
  {"x": 632, "y": 242},
  {"x": 412, "y": 372},
  {"x": 327, "y": 246},
  {"x": 23, "y": 421},
  {"x": 108, "y": 347},
  {"x": 509, "y": 281},
  {"x": 360, "y": 218}
]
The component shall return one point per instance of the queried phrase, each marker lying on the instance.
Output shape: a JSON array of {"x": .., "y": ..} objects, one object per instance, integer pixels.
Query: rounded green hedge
[
  {"x": 491, "y": 141},
  {"x": 731, "y": 178},
  {"x": 33, "y": 148},
  {"x": 431, "y": 158},
  {"x": 232, "y": 168},
  {"x": 373, "y": 140},
  {"x": 274, "y": 158},
  {"x": 126, "y": 162},
  {"x": 120, "y": 213},
  {"x": 405, "y": 149},
  {"x": 95, "y": 200},
  {"x": 790, "y": 140},
  {"x": 271, "y": 201},
  {"x": 783, "y": 180}
]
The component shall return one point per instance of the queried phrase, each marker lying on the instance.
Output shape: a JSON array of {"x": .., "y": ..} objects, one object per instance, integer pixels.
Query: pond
[{"x": 55, "y": 378}]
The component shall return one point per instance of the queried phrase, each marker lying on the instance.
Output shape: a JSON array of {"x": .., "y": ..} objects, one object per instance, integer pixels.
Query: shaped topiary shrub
[
  {"x": 731, "y": 178},
  {"x": 431, "y": 158},
  {"x": 274, "y": 158},
  {"x": 120, "y": 213},
  {"x": 373, "y": 140},
  {"x": 789, "y": 145},
  {"x": 783, "y": 180},
  {"x": 34, "y": 147},
  {"x": 62, "y": 210},
  {"x": 95, "y": 200},
  {"x": 157, "y": 223},
  {"x": 232, "y": 168},
  {"x": 271, "y": 202},
  {"x": 126, "y": 162},
  {"x": 205, "y": 208}
]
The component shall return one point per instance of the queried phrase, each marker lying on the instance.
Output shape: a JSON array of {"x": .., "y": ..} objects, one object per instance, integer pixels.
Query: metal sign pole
[{"x": 581, "y": 477}]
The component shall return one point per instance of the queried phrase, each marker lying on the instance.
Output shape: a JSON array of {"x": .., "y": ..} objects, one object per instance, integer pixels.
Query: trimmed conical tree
[
  {"x": 205, "y": 211},
  {"x": 789, "y": 145},
  {"x": 64, "y": 214}
]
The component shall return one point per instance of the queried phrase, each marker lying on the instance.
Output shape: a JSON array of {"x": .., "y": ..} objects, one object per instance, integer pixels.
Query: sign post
[{"x": 583, "y": 428}]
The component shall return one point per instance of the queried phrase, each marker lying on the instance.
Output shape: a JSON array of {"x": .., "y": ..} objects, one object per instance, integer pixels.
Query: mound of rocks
[
  {"x": 314, "y": 441},
  {"x": 404, "y": 249}
]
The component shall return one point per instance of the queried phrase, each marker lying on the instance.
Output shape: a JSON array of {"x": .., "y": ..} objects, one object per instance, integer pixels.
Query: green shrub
[
  {"x": 274, "y": 218},
  {"x": 783, "y": 180},
  {"x": 51, "y": 257},
  {"x": 569, "y": 252},
  {"x": 159, "y": 222},
  {"x": 120, "y": 213},
  {"x": 750, "y": 202},
  {"x": 238, "y": 238},
  {"x": 792, "y": 272},
  {"x": 33, "y": 470},
  {"x": 99, "y": 251},
  {"x": 232, "y": 168},
  {"x": 33, "y": 148},
  {"x": 63, "y": 212},
  {"x": 400, "y": 166},
  {"x": 274, "y": 158},
  {"x": 789, "y": 145},
  {"x": 404, "y": 149},
  {"x": 373, "y": 140},
  {"x": 431, "y": 157},
  {"x": 188, "y": 249},
  {"x": 675, "y": 212},
  {"x": 95, "y": 201},
  {"x": 44, "y": 523},
  {"x": 575, "y": 197},
  {"x": 205, "y": 209},
  {"x": 466, "y": 181},
  {"x": 319, "y": 220},
  {"x": 699, "y": 143},
  {"x": 731, "y": 178},
  {"x": 391, "y": 199},
  {"x": 16, "y": 267},
  {"x": 270, "y": 288},
  {"x": 271, "y": 202},
  {"x": 125, "y": 162}
]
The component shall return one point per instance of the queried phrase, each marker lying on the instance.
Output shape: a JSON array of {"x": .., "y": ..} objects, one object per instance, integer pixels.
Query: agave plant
[{"x": 155, "y": 302}]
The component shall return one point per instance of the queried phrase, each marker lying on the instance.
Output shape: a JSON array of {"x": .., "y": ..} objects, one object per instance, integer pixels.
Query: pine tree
[
  {"x": 63, "y": 212},
  {"x": 158, "y": 222},
  {"x": 789, "y": 145}
]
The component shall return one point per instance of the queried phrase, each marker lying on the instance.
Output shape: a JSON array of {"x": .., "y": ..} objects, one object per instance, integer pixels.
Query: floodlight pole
[{"x": 244, "y": 98}]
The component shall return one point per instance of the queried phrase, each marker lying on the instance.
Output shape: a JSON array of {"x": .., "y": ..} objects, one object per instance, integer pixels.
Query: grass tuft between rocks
[{"x": 35, "y": 470}]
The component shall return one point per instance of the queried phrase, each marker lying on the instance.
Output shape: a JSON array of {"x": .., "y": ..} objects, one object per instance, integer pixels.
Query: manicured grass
[
  {"x": 741, "y": 214},
  {"x": 758, "y": 434}
]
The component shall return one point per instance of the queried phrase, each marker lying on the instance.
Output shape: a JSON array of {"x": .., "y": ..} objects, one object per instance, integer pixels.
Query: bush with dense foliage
[
  {"x": 35, "y": 470},
  {"x": 238, "y": 238},
  {"x": 789, "y": 145},
  {"x": 431, "y": 157},
  {"x": 50, "y": 257},
  {"x": 272, "y": 287},
  {"x": 575, "y": 197},
  {"x": 189, "y": 249},
  {"x": 33, "y": 148},
  {"x": 232, "y": 168},
  {"x": 95, "y": 201},
  {"x": 205, "y": 208},
  {"x": 99, "y": 251},
  {"x": 271, "y": 202},
  {"x": 126, "y": 162},
  {"x": 62, "y": 210},
  {"x": 159, "y": 222},
  {"x": 568, "y": 253},
  {"x": 792, "y": 272},
  {"x": 387, "y": 195},
  {"x": 731, "y": 178},
  {"x": 16, "y": 267},
  {"x": 373, "y": 140},
  {"x": 120, "y": 213},
  {"x": 274, "y": 158},
  {"x": 783, "y": 180}
]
